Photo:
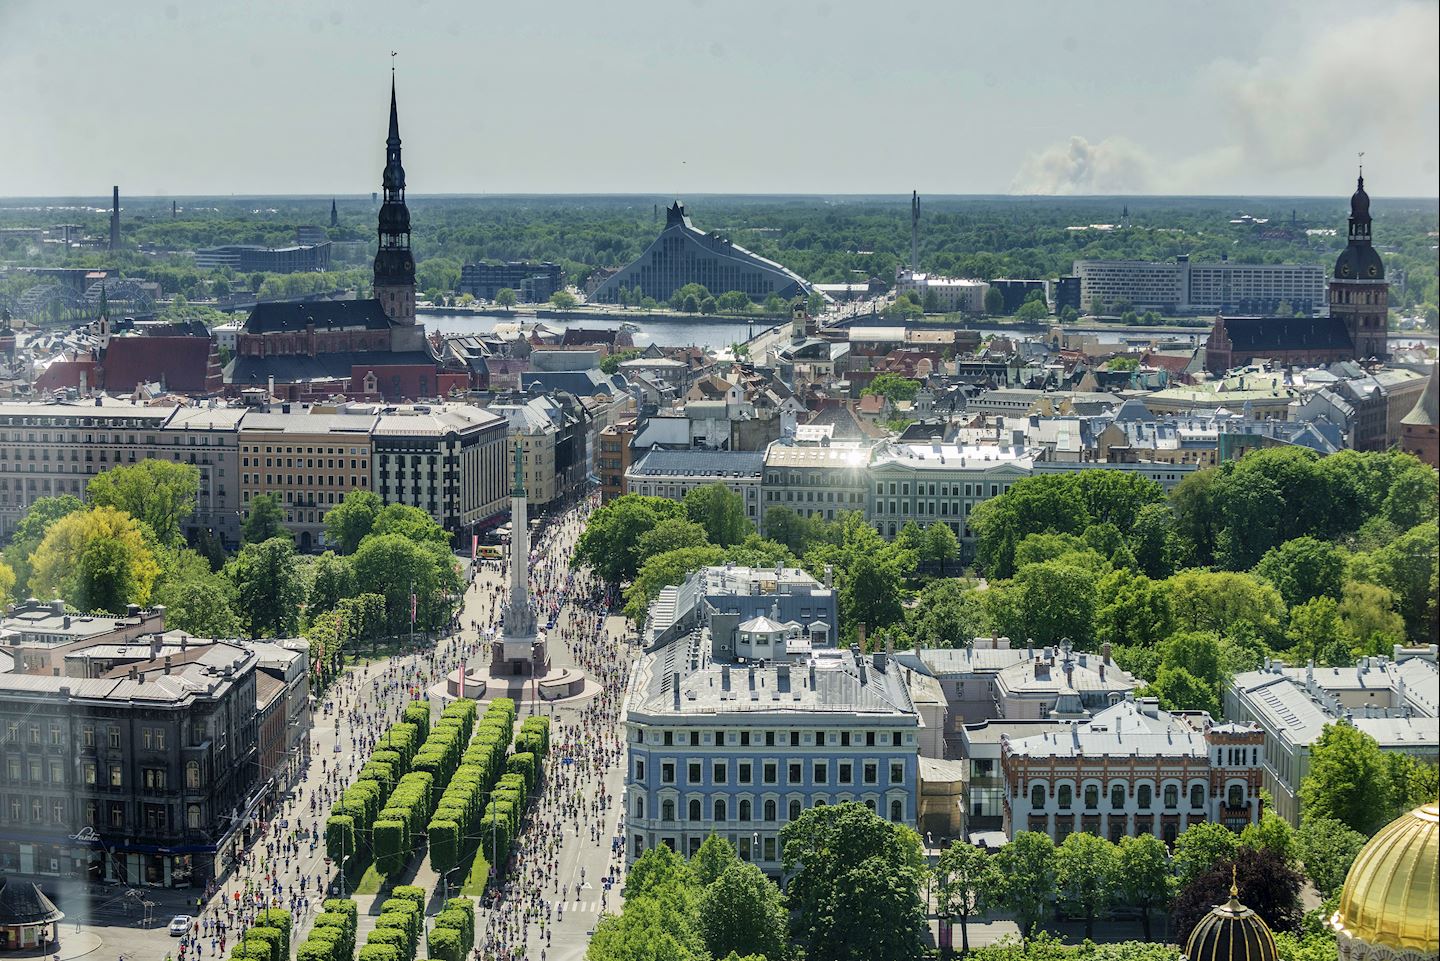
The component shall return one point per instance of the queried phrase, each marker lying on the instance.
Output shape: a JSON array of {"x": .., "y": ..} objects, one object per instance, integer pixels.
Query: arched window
[
  {"x": 719, "y": 809},
  {"x": 192, "y": 817},
  {"x": 1117, "y": 797},
  {"x": 694, "y": 809},
  {"x": 1235, "y": 796},
  {"x": 1037, "y": 796},
  {"x": 1197, "y": 796},
  {"x": 794, "y": 810},
  {"x": 744, "y": 809},
  {"x": 897, "y": 810},
  {"x": 667, "y": 810},
  {"x": 870, "y": 803},
  {"x": 192, "y": 774},
  {"x": 1063, "y": 795},
  {"x": 639, "y": 805},
  {"x": 1092, "y": 797},
  {"x": 1172, "y": 797},
  {"x": 1142, "y": 797},
  {"x": 769, "y": 809}
]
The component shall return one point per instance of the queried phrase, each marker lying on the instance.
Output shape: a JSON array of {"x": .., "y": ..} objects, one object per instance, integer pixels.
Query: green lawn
[{"x": 479, "y": 873}]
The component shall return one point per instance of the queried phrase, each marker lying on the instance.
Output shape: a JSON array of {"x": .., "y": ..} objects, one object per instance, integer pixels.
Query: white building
[
  {"x": 939, "y": 482},
  {"x": 949, "y": 293},
  {"x": 1132, "y": 769},
  {"x": 1183, "y": 287},
  {"x": 1394, "y": 700},
  {"x": 675, "y": 473}
]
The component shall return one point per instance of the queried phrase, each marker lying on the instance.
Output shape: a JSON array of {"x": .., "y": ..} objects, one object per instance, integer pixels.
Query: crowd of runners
[{"x": 284, "y": 866}]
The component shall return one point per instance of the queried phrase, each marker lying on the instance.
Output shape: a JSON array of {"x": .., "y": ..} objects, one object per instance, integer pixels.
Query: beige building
[
  {"x": 308, "y": 460},
  {"x": 451, "y": 461}
]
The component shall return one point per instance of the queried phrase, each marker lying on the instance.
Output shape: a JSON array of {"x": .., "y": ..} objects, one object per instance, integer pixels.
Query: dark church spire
[{"x": 394, "y": 264}]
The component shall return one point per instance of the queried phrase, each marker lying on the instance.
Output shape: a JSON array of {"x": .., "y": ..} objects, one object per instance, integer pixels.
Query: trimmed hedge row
[
  {"x": 268, "y": 940},
  {"x": 452, "y": 936},
  {"x": 452, "y": 828},
  {"x": 408, "y": 810},
  {"x": 361, "y": 803},
  {"x": 397, "y": 929},
  {"x": 332, "y": 936}
]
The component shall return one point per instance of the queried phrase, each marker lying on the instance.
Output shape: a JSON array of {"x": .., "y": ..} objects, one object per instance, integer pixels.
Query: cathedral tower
[
  {"x": 1359, "y": 293},
  {"x": 394, "y": 264}
]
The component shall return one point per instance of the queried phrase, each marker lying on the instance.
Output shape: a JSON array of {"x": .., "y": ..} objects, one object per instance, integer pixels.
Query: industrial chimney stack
[
  {"x": 115, "y": 219},
  {"x": 914, "y": 232}
]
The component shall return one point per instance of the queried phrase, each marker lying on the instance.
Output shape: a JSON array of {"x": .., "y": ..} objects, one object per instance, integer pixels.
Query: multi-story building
[
  {"x": 248, "y": 258},
  {"x": 1185, "y": 287},
  {"x": 532, "y": 283},
  {"x": 719, "y": 598},
  {"x": 947, "y": 294},
  {"x": 675, "y": 473},
  {"x": 37, "y": 637},
  {"x": 816, "y": 480},
  {"x": 1394, "y": 700},
  {"x": 926, "y": 483},
  {"x": 48, "y": 449},
  {"x": 308, "y": 459},
  {"x": 614, "y": 458},
  {"x": 1133, "y": 769},
  {"x": 147, "y": 775},
  {"x": 448, "y": 460},
  {"x": 739, "y": 743},
  {"x": 552, "y": 443}
]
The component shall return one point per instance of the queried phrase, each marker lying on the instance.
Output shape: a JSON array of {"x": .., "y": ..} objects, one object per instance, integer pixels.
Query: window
[
  {"x": 720, "y": 809},
  {"x": 1092, "y": 797},
  {"x": 1172, "y": 797},
  {"x": 897, "y": 810},
  {"x": 114, "y": 737},
  {"x": 667, "y": 772},
  {"x": 116, "y": 779},
  {"x": 694, "y": 809},
  {"x": 192, "y": 774},
  {"x": 745, "y": 809},
  {"x": 1142, "y": 797},
  {"x": 1117, "y": 797},
  {"x": 770, "y": 808},
  {"x": 1037, "y": 796},
  {"x": 771, "y": 772},
  {"x": 794, "y": 775},
  {"x": 745, "y": 772},
  {"x": 846, "y": 776},
  {"x": 1063, "y": 796},
  {"x": 897, "y": 772},
  {"x": 640, "y": 806},
  {"x": 693, "y": 772},
  {"x": 872, "y": 772},
  {"x": 667, "y": 810},
  {"x": 1197, "y": 796},
  {"x": 717, "y": 772},
  {"x": 821, "y": 772},
  {"x": 639, "y": 768},
  {"x": 192, "y": 817},
  {"x": 1235, "y": 796}
]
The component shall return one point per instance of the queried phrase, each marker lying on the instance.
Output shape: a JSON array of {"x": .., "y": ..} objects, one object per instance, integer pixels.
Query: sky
[{"x": 1230, "y": 97}]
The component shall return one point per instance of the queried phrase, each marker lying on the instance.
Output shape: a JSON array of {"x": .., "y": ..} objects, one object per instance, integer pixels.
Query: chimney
[
  {"x": 1105, "y": 652},
  {"x": 66, "y": 623},
  {"x": 829, "y": 576},
  {"x": 860, "y": 636},
  {"x": 168, "y": 659},
  {"x": 115, "y": 218}
]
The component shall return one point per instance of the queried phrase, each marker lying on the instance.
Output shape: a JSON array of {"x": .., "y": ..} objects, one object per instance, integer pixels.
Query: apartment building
[
  {"x": 1185, "y": 287},
  {"x": 309, "y": 458},
  {"x": 820, "y": 480},
  {"x": 675, "y": 473},
  {"x": 448, "y": 460},
  {"x": 941, "y": 482}
]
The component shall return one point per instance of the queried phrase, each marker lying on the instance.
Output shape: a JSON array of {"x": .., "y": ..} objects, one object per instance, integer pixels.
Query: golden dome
[
  {"x": 1231, "y": 932},
  {"x": 1390, "y": 895}
]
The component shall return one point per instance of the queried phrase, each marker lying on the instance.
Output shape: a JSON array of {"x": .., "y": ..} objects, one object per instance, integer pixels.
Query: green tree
[
  {"x": 31, "y": 530},
  {"x": 733, "y": 302},
  {"x": 994, "y": 302},
  {"x": 410, "y": 522},
  {"x": 348, "y": 522},
  {"x": 197, "y": 600},
  {"x": 505, "y": 298},
  {"x": 609, "y": 543},
  {"x": 1227, "y": 604},
  {"x": 1057, "y": 601},
  {"x": 1146, "y": 878},
  {"x": 563, "y": 300},
  {"x": 392, "y": 565},
  {"x": 7, "y": 583},
  {"x": 1349, "y": 780},
  {"x": 267, "y": 587},
  {"x": 1133, "y": 610},
  {"x": 1316, "y": 632},
  {"x": 966, "y": 884},
  {"x": 1035, "y": 505},
  {"x": 796, "y": 531},
  {"x": 707, "y": 305},
  {"x": 265, "y": 520},
  {"x": 892, "y": 387},
  {"x": 1303, "y": 569},
  {"x": 157, "y": 492},
  {"x": 939, "y": 545},
  {"x": 1033, "y": 311},
  {"x": 1027, "y": 865},
  {"x": 721, "y": 512},
  {"x": 97, "y": 560},
  {"x": 1202, "y": 846},
  {"x": 1271, "y": 833},
  {"x": 1179, "y": 690},
  {"x": 332, "y": 581},
  {"x": 715, "y": 855},
  {"x": 1367, "y": 614},
  {"x": 671, "y": 534},
  {"x": 741, "y": 912},
  {"x": 855, "y": 885},
  {"x": 1327, "y": 847},
  {"x": 947, "y": 613},
  {"x": 1151, "y": 538},
  {"x": 1086, "y": 875}
]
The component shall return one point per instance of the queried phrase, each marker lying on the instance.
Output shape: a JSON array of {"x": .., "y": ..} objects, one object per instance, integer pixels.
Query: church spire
[
  {"x": 394, "y": 263},
  {"x": 394, "y": 139}
]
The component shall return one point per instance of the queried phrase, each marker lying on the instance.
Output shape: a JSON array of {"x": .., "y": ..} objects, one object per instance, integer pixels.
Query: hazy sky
[{"x": 720, "y": 96}]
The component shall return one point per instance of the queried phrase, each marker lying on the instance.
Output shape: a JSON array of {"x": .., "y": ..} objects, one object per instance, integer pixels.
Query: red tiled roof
[
  {"x": 66, "y": 373},
  {"x": 180, "y": 363}
]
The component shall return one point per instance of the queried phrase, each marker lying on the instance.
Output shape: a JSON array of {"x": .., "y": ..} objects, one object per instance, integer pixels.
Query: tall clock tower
[
  {"x": 1359, "y": 293},
  {"x": 394, "y": 264}
]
